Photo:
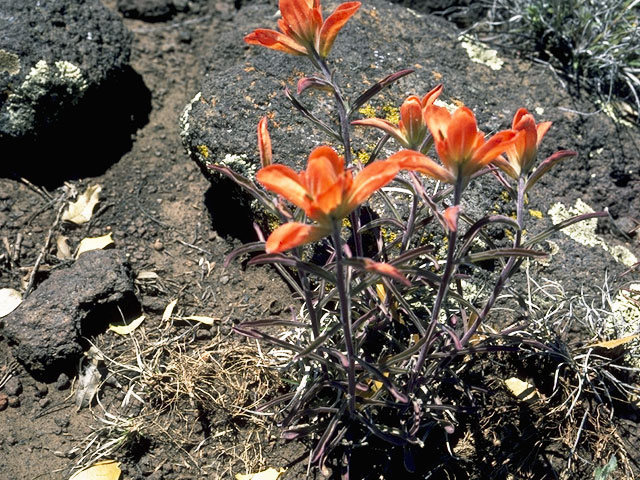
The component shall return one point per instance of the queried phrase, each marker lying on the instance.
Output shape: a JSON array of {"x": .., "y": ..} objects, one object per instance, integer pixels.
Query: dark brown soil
[{"x": 154, "y": 202}]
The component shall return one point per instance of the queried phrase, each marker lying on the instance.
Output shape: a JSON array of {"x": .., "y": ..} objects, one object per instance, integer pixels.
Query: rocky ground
[{"x": 170, "y": 401}]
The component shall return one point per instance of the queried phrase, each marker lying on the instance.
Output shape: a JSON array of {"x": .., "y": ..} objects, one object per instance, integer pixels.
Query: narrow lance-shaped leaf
[
  {"x": 556, "y": 228},
  {"x": 376, "y": 88},
  {"x": 388, "y": 384},
  {"x": 320, "y": 450},
  {"x": 281, "y": 259},
  {"x": 247, "y": 184},
  {"x": 323, "y": 126},
  {"x": 313, "y": 82},
  {"x": 475, "y": 229},
  {"x": 546, "y": 165},
  {"x": 502, "y": 252},
  {"x": 242, "y": 250}
]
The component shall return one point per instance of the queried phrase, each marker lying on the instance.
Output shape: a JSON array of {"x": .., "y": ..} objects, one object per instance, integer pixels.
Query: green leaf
[{"x": 604, "y": 472}]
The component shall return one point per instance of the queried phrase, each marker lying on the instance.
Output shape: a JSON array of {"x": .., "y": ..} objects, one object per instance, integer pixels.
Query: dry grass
[{"x": 199, "y": 396}]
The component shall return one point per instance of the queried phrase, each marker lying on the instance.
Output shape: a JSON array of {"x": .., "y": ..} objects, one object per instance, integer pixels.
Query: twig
[
  {"x": 40, "y": 191},
  {"x": 43, "y": 251}
]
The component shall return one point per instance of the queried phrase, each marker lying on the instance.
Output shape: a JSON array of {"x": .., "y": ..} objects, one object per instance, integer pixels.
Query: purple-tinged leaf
[
  {"x": 388, "y": 384},
  {"x": 377, "y": 88},
  {"x": 556, "y": 228},
  {"x": 290, "y": 261},
  {"x": 546, "y": 165},
  {"x": 320, "y": 450},
  {"x": 313, "y": 82},
  {"x": 242, "y": 250},
  {"x": 474, "y": 229},
  {"x": 503, "y": 252},
  {"x": 319, "y": 123}
]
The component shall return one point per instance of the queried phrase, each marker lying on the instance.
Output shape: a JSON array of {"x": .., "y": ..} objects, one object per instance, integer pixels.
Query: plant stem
[
  {"x": 345, "y": 314},
  {"x": 507, "y": 270},
  {"x": 341, "y": 105},
  {"x": 449, "y": 270}
]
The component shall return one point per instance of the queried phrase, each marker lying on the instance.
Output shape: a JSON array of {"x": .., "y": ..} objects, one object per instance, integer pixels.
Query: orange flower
[
  {"x": 460, "y": 145},
  {"x": 302, "y": 31},
  {"x": 411, "y": 131},
  {"x": 522, "y": 153},
  {"x": 264, "y": 143},
  {"x": 325, "y": 191},
  {"x": 385, "y": 270}
]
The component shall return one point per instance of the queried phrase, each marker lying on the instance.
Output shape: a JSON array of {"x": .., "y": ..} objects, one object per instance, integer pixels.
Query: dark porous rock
[
  {"x": 218, "y": 126},
  {"x": 79, "y": 301},
  {"x": 148, "y": 10},
  {"x": 51, "y": 54}
]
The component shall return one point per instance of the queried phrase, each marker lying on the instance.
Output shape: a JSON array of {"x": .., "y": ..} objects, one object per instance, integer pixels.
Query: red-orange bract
[
  {"x": 460, "y": 146},
  {"x": 325, "y": 191},
  {"x": 411, "y": 131},
  {"x": 521, "y": 154},
  {"x": 302, "y": 30}
]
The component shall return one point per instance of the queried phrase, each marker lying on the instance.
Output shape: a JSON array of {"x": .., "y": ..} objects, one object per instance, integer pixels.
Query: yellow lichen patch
[
  {"x": 504, "y": 195},
  {"x": 368, "y": 111},
  {"x": 479, "y": 52},
  {"x": 203, "y": 150},
  {"x": 361, "y": 157},
  {"x": 535, "y": 213},
  {"x": 346, "y": 222},
  {"x": 391, "y": 113},
  {"x": 389, "y": 236},
  {"x": 585, "y": 232}
]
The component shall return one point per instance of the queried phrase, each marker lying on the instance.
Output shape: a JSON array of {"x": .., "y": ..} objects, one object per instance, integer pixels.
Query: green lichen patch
[
  {"x": 9, "y": 62},
  {"x": 585, "y": 232}
]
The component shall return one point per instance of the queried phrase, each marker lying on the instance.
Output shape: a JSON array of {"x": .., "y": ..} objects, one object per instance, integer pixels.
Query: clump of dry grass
[{"x": 198, "y": 396}]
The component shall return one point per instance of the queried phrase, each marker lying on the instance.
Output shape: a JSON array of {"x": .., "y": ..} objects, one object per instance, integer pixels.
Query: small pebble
[
  {"x": 13, "y": 387},
  {"x": 224, "y": 279},
  {"x": 203, "y": 334},
  {"x": 43, "y": 402},
  {"x": 62, "y": 422},
  {"x": 62, "y": 383},
  {"x": 14, "y": 402},
  {"x": 158, "y": 245},
  {"x": 42, "y": 390},
  {"x": 4, "y": 401}
]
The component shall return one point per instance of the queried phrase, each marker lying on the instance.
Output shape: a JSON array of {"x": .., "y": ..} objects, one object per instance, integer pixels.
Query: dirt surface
[{"x": 173, "y": 400}]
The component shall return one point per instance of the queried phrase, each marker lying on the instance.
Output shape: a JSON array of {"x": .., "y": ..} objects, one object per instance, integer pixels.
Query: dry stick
[
  {"x": 15, "y": 254},
  {"x": 7, "y": 247},
  {"x": 40, "y": 191},
  {"x": 43, "y": 252}
]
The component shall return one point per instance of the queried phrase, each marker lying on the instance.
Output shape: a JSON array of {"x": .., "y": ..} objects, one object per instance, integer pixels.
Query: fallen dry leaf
[
  {"x": 127, "y": 329},
  {"x": 611, "y": 344},
  {"x": 80, "y": 211},
  {"x": 169, "y": 310},
  {"x": 147, "y": 275},
  {"x": 104, "y": 470},
  {"x": 200, "y": 318},
  {"x": 268, "y": 474},
  {"x": 94, "y": 243},
  {"x": 522, "y": 390},
  {"x": 63, "y": 251},
  {"x": 9, "y": 301}
]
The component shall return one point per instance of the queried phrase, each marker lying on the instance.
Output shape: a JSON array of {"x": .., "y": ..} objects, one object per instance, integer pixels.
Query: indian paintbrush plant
[{"x": 368, "y": 359}]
